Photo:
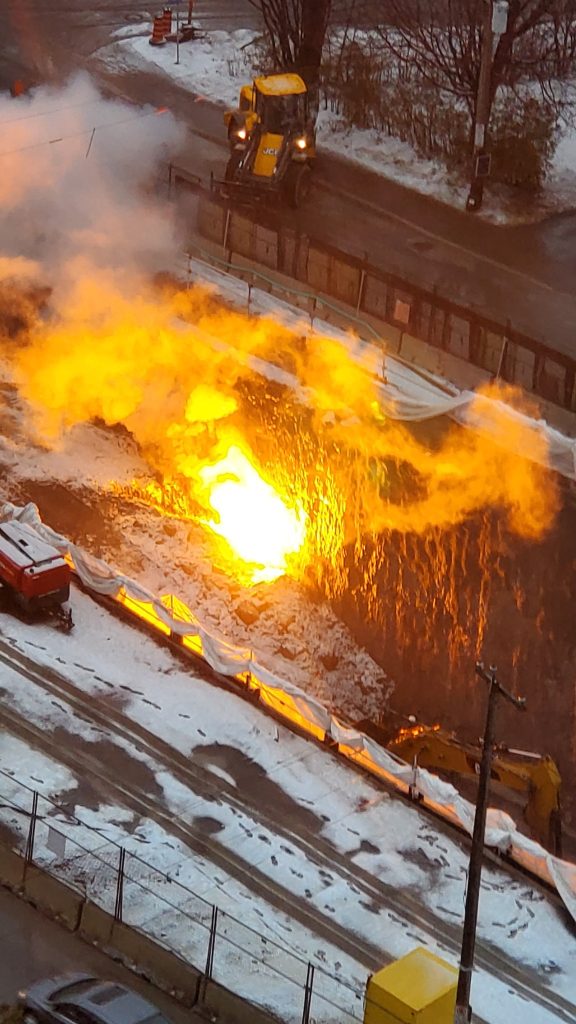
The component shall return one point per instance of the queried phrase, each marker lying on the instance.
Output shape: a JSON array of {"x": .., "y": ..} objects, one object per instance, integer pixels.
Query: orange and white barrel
[
  {"x": 158, "y": 37},
  {"x": 167, "y": 15}
]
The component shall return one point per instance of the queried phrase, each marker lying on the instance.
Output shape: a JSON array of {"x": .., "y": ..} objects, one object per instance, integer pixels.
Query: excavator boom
[{"x": 538, "y": 777}]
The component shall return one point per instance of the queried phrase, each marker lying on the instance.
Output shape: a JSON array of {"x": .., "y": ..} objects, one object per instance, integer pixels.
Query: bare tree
[
  {"x": 296, "y": 30},
  {"x": 441, "y": 40}
]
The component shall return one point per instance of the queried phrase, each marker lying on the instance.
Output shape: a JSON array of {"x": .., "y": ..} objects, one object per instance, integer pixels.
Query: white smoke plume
[{"x": 79, "y": 184}]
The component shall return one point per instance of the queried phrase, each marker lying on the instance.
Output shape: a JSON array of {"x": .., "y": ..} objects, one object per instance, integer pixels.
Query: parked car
[{"x": 82, "y": 999}]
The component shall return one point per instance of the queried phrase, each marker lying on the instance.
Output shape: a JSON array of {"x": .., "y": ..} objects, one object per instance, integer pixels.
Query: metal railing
[{"x": 150, "y": 898}]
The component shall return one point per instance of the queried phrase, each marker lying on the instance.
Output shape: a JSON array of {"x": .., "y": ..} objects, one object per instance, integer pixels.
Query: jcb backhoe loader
[{"x": 272, "y": 141}]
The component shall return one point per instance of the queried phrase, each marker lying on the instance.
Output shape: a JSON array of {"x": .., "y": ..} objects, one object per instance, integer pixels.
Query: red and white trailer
[{"x": 33, "y": 573}]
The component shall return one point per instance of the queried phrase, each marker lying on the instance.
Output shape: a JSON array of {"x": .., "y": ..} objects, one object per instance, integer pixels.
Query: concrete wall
[
  {"x": 382, "y": 303},
  {"x": 241, "y": 231},
  {"x": 139, "y": 952},
  {"x": 211, "y": 221},
  {"x": 265, "y": 246},
  {"x": 222, "y": 1002},
  {"x": 11, "y": 868},
  {"x": 54, "y": 896},
  {"x": 160, "y": 965},
  {"x": 95, "y": 924}
]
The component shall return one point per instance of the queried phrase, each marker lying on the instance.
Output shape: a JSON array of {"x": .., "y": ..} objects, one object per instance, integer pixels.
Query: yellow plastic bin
[{"x": 420, "y": 988}]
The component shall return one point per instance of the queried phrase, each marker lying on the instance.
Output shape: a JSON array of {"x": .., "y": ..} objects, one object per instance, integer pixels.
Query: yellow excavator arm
[{"x": 538, "y": 777}]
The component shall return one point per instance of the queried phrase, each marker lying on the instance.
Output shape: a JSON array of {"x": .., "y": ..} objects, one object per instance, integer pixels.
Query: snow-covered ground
[
  {"x": 290, "y": 633},
  {"x": 79, "y": 486},
  {"x": 381, "y": 835},
  {"x": 216, "y": 65}
]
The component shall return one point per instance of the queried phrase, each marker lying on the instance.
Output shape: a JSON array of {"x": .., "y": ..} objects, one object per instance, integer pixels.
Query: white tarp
[
  {"x": 405, "y": 392},
  {"x": 501, "y": 831}
]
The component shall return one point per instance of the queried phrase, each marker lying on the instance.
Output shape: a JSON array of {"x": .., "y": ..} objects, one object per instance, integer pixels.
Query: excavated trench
[{"x": 440, "y": 602}]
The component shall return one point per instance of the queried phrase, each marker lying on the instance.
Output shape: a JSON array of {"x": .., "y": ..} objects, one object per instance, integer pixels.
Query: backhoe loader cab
[{"x": 272, "y": 140}]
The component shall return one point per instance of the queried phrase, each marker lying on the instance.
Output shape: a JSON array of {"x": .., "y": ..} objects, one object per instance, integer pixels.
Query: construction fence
[{"x": 421, "y": 325}]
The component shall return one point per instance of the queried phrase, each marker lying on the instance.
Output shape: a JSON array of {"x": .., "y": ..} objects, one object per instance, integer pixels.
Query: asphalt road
[
  {"x": 34, "y": 947},
  {"x": 524, "y": 274}
]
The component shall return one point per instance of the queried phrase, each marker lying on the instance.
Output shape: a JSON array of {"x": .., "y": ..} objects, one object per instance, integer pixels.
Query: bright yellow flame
[{"x": 251, "y": 516}]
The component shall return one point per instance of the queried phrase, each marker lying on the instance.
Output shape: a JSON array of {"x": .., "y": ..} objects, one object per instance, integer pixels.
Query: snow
[
  {"x": 369, "y": 831},
  {"x": 218, "y": 64},
  {"x": 379, "y": 834},
  {"x": 563, "y": 173},
  {"x": 179, "y": 557}
]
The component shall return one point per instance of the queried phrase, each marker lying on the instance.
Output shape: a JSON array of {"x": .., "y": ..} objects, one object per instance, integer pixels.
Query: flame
[
  {"x": 252, "y": 518},
  {"x": 350, "y": 498}
]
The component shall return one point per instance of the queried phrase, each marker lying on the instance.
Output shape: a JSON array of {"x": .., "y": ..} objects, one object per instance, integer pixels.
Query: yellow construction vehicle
[
  {"x": 535, "y": 775},
  {"x": 272, "y": 140}
]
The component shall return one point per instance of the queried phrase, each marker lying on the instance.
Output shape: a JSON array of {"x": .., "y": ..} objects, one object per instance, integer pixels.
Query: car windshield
[{"x": 76, "y": 988}]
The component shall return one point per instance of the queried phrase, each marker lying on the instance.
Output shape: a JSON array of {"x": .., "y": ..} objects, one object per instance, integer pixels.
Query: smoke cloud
[
  {"x": 80, "y": 211},
  {"x": 78, "y": 185}
]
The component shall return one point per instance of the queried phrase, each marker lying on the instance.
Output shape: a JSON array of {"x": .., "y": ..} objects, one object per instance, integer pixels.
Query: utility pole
[
  {"x": 463, "y": 1010},
  {"x": 177, "y": 31},
  {"x": 495, "y": 22}
]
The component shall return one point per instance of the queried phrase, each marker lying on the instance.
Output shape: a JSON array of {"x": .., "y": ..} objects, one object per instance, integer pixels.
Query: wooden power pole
[{"x": 463, "y": 1010}]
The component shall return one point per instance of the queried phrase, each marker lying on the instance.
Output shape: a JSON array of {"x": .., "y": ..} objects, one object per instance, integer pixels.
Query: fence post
[
  {"x": 32, "y": 829},
  {"x": 226, "y": 231},
  {"x": 210, "y": 953},
  {"x": 361, "y": 290},
  {"x": 120, "y": 885},
  {"x": 308, "y": 994},
  {"x": 503, "y": 349}
]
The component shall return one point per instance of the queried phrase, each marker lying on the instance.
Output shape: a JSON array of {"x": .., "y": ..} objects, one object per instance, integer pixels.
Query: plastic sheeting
[
  {"x": 408, "y": 395},
  {"x": 407, "y": 392},
  {"x": 172, "y": 617}
]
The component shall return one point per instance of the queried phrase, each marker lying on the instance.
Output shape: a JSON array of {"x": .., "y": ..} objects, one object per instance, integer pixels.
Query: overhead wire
[
  {"x": 85, "y": 131},
  {"x": 55, "y": 110}
]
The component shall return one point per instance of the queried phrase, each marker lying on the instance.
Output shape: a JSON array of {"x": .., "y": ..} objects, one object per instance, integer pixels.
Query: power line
[
  {"x": 85, "y": 131},
  {"x": 56, "y": 110}
]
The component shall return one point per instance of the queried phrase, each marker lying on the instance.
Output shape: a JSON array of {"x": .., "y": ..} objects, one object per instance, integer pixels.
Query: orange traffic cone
[
  {"x": 167, "y": 21},
  {"x": 17, "y": 88},
  {"x": 158, "y": 34}
]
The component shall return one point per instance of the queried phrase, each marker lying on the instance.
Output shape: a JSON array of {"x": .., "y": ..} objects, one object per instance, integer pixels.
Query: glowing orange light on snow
[{"x": 252, "y": 517}]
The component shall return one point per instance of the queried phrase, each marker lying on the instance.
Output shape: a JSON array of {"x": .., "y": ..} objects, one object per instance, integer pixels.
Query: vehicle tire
[
  {"x": 298, "y": 185},
  {"x": 232, "y": 167},
  {"x": 232, "y": 129}
]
